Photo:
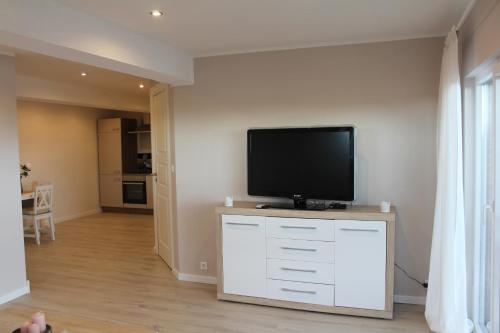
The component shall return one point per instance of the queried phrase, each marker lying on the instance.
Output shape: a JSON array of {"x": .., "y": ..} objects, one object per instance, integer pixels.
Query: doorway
[{"x": 61, "y": 160}]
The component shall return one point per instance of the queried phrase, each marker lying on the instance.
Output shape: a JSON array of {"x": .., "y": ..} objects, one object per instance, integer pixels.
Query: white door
[
  {"x": 161, "y": 167},
  {"x": 244, "y": 260},
  {"x": 360, "y": 259}
]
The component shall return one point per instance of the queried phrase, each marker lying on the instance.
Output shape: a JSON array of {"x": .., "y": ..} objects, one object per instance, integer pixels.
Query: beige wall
[
  {"x": 481, "y": 35},
  {"x": 60, "y": 142},
  {"x": 387, "y": 90},
  {"x": 13, "y": 270}
]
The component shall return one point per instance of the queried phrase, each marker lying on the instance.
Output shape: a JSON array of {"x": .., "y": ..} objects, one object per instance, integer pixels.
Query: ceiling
[
  {"x": 53, "y": 69},
  {"x": 213, "y": 27}
]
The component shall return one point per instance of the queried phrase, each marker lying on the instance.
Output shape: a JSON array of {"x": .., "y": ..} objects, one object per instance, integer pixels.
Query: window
[
  {"x": 495, "y": 242},
  {"x": 485, "y": 196},
  {"x": 485, "y": 220}
]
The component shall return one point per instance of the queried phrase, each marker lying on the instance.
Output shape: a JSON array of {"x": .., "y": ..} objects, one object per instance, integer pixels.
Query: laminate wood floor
[{"x": 100, "y": 275}]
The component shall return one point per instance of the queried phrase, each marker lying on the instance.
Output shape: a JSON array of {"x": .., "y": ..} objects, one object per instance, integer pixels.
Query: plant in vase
[{"x": 25, "y": 170}]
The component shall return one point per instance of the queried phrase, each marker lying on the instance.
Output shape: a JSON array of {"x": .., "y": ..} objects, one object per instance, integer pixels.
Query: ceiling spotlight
[
  {"x": 156, "y": 13},
  {"x": 83, "y": 74},
  {"x": 141, "y": 86}
]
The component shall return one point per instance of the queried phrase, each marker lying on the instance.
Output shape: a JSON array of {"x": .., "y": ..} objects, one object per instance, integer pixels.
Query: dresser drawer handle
[
  {"x": 298, "y": 270},
  {"x": 247, "y": 224},
  {"x": 298, "y": 227},
  {"x": 299, "y": 291},
  {"x": 298, "y": 249},
  {"x": 355, "y": 229}
]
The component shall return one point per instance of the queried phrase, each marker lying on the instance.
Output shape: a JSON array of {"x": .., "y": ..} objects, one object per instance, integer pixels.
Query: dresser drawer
[
  {"x": 302, "y": 250},
  {"x": 300, "y": 292},
  {"x": 296, "y": 228},
  {"x": 300, "y": 271}
]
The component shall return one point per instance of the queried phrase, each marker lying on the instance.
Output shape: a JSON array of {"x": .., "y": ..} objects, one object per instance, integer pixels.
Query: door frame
[{"x": 155, "y": 90}]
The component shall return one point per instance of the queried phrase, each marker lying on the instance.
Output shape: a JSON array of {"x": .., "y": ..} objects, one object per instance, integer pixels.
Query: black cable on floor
[{"x": 422, "y": 284}]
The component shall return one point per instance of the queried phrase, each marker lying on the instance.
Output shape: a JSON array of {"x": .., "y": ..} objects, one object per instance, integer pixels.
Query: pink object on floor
[
  {"x": 24, "y": 328},
  {"x": 39, "y": 319},
  {"x": 34, "y": 328}
]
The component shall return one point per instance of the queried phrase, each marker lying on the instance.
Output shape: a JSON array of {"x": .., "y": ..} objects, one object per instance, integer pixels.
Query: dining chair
[{"x": 41, "y": 210}]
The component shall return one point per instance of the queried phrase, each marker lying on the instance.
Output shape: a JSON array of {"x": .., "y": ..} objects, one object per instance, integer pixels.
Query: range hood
[{"x": 146, "y": 128}]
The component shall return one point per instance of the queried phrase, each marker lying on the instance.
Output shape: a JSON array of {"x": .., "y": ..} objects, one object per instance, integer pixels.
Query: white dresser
[{"x": 330, "y": 261}]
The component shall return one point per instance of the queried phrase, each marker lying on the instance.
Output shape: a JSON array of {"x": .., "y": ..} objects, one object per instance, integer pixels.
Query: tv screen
[{"x": 315, "y": 163}]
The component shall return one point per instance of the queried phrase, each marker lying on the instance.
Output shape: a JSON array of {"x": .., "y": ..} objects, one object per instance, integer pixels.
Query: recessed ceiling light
[
  {"x": 83, "y": 74},
  {"x": 156, "y": 13},
  {"x": 141, "y": 86}
]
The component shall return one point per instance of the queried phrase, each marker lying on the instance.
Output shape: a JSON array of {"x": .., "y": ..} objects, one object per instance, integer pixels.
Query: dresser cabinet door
[
  {"x": 360, "y": 263},
  {"x": 244, "y": 255}
]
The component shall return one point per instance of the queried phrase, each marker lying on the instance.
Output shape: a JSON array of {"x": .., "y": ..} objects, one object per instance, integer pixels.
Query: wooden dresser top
[{"x": 350, "y": 213}]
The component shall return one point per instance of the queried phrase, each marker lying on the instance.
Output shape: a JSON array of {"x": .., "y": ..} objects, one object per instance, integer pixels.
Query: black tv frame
[{"x": 300, "y": 199}]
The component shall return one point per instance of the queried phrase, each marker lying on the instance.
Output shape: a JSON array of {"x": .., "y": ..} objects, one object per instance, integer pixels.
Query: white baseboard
[
  {"x": 402, "y": 299},
  {"x": 78, "y": 215},
  {"x": 195, "y": 278},
  {"x": 15, "y": 294},
  {"x": 405, "y": 299}
]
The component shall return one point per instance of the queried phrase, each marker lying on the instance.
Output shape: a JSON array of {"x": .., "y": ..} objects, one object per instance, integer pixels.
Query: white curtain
[{"x": 446, "y": 308}]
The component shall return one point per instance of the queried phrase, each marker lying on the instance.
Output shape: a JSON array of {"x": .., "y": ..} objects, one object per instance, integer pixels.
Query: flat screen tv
[{"x": 302, "y": 163}]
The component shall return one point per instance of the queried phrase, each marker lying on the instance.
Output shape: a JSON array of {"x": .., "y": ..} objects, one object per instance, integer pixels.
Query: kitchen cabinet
[
  {"x": 144, "y": 142},
  {"x": 117, "y": 155},
  {"x": 112, "y": 125},
  {"x": 110, "y": 153},
  {"x": 110, "y": 188}
]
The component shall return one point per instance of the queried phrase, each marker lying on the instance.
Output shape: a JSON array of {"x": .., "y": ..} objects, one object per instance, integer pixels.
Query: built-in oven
[{"x": 135, "y": 194}]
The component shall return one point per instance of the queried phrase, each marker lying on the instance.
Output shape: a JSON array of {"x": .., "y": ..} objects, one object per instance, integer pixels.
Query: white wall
[
  {"x": 13, "y": 270},
  {"x": 387, "y": 90},
  {"x": 52, "y": 28},
  {"x": 60, "y": 141}
]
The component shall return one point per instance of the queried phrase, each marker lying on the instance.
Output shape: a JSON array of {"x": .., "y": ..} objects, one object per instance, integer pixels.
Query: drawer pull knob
[
  {"x": 247, "y": 224},
  {"x": 299, "y": 270},
  {"x": 299, "y": 291},
  {"x": 298, "y": 249},
  {"x": 355, "y": 229},
  {"x": 297, "y": 227}
]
